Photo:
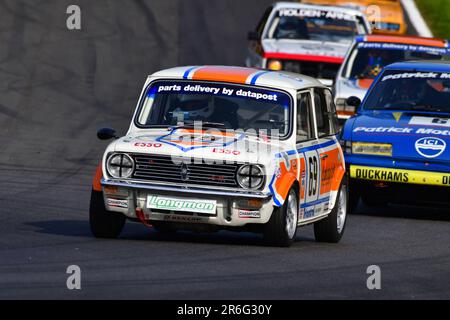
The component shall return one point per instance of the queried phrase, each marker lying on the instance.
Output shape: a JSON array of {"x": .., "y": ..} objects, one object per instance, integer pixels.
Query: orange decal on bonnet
[{"x": 225, "y": 74}]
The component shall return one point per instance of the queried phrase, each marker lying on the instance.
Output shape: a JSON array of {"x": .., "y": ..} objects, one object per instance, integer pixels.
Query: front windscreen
[
  {"x": 412, "y": 91},
  {"x": 368, "y": 59},
  {"x": 314, "y": 24},
  {"x": 215, "y": 105}
]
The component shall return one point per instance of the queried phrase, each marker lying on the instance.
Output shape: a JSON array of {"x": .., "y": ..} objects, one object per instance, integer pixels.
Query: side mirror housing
[
  {"x": 253, "y": 36},
  {"x": 106, "y": 134},
  {"x": 354, "y": 102}
]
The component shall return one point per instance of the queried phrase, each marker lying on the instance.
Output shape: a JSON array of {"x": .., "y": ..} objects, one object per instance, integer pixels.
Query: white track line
[{"x": 416, "y": 18}]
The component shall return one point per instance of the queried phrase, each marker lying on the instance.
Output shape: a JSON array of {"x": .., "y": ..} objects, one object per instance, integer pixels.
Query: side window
[
  {"x": 263, "y": 21},
  {"x": 332, "y": 113},
  {"x": 325, "y": 111},
  {"x": 304, "y": 123}
]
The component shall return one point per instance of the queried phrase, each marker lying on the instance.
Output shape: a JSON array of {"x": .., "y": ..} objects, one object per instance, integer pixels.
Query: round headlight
[
  {"x": 120, "y": 165},
  {"x": 250, "y": 177}
]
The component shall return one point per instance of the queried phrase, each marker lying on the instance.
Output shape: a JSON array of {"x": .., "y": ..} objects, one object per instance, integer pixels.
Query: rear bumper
[{"x": 233, "y": 209}]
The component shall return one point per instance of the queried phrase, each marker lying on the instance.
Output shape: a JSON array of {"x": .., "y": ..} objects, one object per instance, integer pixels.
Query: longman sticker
[{"x": 181, "y": 204}]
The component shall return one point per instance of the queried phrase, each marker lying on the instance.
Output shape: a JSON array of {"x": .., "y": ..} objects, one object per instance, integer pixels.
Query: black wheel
[
  {"x": 332, "y": 228},
  {"x": 163, "y": 227},
  {"x": 104, "y": 224},
  {"x": 281, "y": 229}
]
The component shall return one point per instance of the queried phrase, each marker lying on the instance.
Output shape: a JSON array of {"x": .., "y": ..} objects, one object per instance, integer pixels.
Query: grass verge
[{"x": 437, "y": 15}]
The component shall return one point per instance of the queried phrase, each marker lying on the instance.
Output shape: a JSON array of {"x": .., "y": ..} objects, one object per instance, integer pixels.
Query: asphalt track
[{"x": 58, "y": 86}]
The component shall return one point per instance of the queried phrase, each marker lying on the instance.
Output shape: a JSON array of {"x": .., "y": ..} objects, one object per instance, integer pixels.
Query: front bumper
[
  {"x": 402, "y": 182},
  {"x": 233, "y": 208},
  {"x": 400, "y": 176}
]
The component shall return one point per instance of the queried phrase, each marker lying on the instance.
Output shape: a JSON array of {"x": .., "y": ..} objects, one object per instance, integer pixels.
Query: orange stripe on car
[
  {"x": 429, "y": 42},
  {"x": 96, "y": 185},
  {"x": 284, "y": 183},
  {"x": 224, "y": 74}
]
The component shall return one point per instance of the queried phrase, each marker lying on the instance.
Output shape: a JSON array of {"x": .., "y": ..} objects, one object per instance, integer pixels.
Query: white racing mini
[{"x": 225, "y": 148}]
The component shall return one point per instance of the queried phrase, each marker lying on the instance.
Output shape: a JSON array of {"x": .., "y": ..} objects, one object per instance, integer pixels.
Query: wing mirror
[
  {"x": 106, "y": 134},
  {"x": 354, "y": 102}
]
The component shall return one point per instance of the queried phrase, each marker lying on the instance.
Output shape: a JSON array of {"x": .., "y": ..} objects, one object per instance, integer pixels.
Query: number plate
[{"x": 181, "y": 204}]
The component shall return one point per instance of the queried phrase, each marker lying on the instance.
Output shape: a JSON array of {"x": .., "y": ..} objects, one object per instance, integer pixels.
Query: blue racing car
[{"x": 397, "y": 146}]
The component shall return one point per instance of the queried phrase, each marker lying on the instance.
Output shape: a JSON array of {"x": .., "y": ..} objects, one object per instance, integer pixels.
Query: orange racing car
[{"x": 390, "y": 19}]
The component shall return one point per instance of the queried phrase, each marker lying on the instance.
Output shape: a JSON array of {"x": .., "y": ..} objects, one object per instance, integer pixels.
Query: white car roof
[{"x": 239, "y": 75}]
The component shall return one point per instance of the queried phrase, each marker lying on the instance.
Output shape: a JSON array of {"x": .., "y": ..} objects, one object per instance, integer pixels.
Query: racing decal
[
  {"x": 223, "y": 90},
  {"x": 302, "y": 180},
  {"x": 430, "y": 121},
  {"x": 225, "y": 74},
  {"x": 317, "y": 179},
  {"x": 329, "y": 166},
  {"x": 396, "y": 130},
  {"x": 226, "y": 151},
  {"x": 331, "y": 169},
  {"x": 117, "y": 203},
  {"x": 430, "y": 147},
  {"x": 383, "y": 130},
  {"x": 400, "y": 176},
  {"x": 416, "y": 75},
  {"x": 189, "y": 72},
  {"x": 313, "y": 176},
  {"x": 181, "y": 204},
  {"x": 403, "y": 47},
  {"x": 316, "y": 13},
  {"x": 187, "y": 140},
  {"x": 397, "y": 116},
  {"x": 253, "y": 78},
  {"x": 249, "y": 214},
  {"x": 147, "y": 145},
  {"x": 285, "y": 174}
]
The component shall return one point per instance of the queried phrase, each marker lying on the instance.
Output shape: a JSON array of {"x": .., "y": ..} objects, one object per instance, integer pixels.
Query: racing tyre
[
  {"x": 281, "y": 229},
  {"x": 104, "y": 224},
  {"x": 332, "y": 228}
]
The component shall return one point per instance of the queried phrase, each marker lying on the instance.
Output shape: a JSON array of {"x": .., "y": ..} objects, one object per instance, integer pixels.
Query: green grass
[{"x": 437, "y": 14}]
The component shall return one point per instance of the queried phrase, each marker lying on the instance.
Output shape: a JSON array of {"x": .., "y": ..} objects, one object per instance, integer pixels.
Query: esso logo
[
  {"x": 430, "y": 147},
  {"x": 226, "y": 151},
  {"x": 147, "y": 145}
]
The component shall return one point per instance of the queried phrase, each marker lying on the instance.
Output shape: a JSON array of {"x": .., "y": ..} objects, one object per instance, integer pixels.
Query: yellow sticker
[
  {"x": 397, "y": 116},
  {"x": 400, "y": 176}
]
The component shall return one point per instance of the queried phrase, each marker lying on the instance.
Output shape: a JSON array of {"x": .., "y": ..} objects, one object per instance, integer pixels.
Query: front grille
[
  {"x": 321, "y": 70},
  {"x": 163, "y": 169}
]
